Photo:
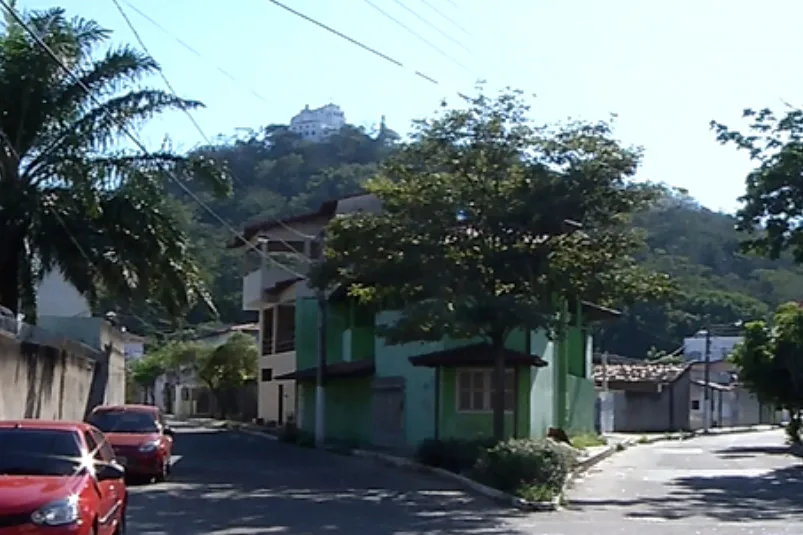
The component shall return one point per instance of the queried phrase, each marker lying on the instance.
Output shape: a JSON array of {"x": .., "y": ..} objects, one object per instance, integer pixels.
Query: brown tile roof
[{"x": 642, "y": 372}]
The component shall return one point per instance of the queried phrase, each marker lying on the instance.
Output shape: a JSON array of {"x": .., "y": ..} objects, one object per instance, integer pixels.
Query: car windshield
[
  {"x": 39, "y": 452},
  {"x": 124, "y": 422}
]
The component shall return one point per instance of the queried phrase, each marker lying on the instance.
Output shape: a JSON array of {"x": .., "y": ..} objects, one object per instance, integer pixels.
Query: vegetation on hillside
[{"x": 278, "y": 174}]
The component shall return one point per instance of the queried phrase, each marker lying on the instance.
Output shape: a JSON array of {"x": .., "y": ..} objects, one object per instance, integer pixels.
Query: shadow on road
[
  {"x": 777, "y": 495},
  {"x": 232, "y": 483}
]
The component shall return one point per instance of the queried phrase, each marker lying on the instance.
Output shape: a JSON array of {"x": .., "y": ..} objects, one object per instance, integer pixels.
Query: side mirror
[
  {"x": 169, "y": 432},
  {"x": 107, "y": 471}
]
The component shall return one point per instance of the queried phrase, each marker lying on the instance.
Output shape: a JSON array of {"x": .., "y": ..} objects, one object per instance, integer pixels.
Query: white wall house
[
  {"x": 273, "y": 290},
  {"x": 317, "y": 124}
]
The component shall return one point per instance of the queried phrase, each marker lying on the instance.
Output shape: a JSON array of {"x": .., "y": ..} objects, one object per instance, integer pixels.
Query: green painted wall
[
  {"x": 464, "y": 425},
  {"x": 581, "y": 398},
  {"x": 363, "y": 333},
  {"x": 306, "y": 333},
  {"x": 541, "y": 386},
  {"x": 419, "y": 402},
  {"x": 348, "y": 410},
  {"x": 577, "y": 353}
]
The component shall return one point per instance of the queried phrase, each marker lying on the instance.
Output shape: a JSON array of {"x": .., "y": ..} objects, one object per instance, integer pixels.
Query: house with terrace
[{"x": 396, "y": 396}]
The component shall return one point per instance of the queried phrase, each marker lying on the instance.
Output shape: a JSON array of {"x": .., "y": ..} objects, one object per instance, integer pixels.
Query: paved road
[
  {"x": 729, "y": 484},
  {"x": 228, "y": 483}
]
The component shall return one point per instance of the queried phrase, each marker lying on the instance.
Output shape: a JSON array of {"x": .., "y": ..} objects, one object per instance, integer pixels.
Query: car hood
[
  {"x": 25, "y": 494},
  {"x": 131, "y": 439}
]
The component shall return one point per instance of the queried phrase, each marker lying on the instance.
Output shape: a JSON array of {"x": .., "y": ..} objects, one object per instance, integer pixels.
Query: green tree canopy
[
  {"x": 227, "y": 366},
  {"x": 770, "y": 360},
  {"x": 477, "y": 235},
  {"x": 72, "y": 197},
  {"x": 771, "y": 207}
]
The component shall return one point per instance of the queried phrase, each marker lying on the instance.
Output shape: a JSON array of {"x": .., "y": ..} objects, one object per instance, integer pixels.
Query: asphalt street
[{"x": 230, "y": 483}]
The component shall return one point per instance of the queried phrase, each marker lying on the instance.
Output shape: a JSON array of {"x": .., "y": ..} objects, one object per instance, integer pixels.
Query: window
[
  {"x": 39, "y": 452},
  {"x": 475, "y": 387},
  {"x": 105, "y": 453},
  {"x": 267, "y": 374},
  {"x": 695, "y": 404}
]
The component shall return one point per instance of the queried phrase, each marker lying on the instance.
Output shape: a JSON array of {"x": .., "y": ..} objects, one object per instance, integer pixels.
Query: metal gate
[{"x": 387, "y": 413}]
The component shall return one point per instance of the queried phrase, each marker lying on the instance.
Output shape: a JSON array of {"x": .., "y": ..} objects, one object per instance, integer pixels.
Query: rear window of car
[
  {"x": 45, "y": 452},
  {"x": 123, "y": 421}
]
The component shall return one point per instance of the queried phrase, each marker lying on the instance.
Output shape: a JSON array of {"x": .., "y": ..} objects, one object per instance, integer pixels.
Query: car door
[{"x": 112, "y": 492}]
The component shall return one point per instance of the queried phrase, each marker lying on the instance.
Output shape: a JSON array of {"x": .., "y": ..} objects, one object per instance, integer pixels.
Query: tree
[
  {"x": 771, "y": 207},
  {"x": 227, "y": 367},
  {"x": 145, "y": 371},
  {"x": 770, "y": 362},
  {"x": 68, "y": 190},
  {"x": 475, "y": 238}
]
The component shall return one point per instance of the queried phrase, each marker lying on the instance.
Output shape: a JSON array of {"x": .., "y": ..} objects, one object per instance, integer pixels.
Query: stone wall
[{"x": 45, "y": 382}]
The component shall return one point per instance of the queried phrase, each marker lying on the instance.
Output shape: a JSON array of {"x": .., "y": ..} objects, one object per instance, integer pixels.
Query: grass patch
[{"x": 588, "y": 440}]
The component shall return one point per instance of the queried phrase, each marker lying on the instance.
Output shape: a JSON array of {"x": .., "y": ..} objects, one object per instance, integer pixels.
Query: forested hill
[{"x": 278, "y": 174}]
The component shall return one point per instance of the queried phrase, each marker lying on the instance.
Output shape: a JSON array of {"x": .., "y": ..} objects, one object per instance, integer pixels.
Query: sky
[{"x": 666, "y": 69}]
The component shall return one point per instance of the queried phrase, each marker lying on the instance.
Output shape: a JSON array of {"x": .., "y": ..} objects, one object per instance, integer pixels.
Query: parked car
[
  {"x": 59, "y": 478},
  {"x": 139, "y": 436}
]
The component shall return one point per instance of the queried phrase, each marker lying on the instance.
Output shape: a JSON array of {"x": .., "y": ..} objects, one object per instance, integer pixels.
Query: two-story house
[{"x": 396, "y": 396}]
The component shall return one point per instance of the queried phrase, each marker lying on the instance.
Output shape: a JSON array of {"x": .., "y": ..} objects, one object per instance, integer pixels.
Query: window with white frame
[{"x": 475, "y": 390}]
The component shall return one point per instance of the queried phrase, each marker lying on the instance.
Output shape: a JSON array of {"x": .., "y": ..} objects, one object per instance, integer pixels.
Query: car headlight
[
  {"x": 58, "y": 513},
  {"x": 150, "y": 446}
]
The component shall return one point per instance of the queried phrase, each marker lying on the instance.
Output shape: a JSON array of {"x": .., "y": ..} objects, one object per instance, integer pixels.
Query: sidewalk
[{"x": 648, "y": 438}]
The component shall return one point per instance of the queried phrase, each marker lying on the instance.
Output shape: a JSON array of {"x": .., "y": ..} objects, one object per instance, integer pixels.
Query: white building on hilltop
[{"x": 318, "y": 124}]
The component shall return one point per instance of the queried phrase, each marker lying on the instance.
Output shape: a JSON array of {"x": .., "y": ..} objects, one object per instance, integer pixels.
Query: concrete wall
[
  {"x": 646, "y": 412},
  {"x": 268, "y": 406},
  {"x": 109, "y": 341},
  {"x": 38, "y": 381}
]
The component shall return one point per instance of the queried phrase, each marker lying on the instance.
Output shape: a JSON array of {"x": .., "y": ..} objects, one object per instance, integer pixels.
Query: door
[
  {"x": 111, "y": 492},
  {"x": 387, "y": 419}
]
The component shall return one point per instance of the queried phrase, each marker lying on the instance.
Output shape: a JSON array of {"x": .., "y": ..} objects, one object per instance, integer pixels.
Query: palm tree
[{"x": 70, "y": 188}]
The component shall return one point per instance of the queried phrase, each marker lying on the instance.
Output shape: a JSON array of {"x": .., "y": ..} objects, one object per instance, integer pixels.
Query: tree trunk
[{"x": 498, "y": 391}]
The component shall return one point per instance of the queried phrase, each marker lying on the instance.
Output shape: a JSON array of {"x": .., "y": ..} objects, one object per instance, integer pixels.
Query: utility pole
[
  {"x": 706, "y": 380},
  {"x": 320, "y": 397}
]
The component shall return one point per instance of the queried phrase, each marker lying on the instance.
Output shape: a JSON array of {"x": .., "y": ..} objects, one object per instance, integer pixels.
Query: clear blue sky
[{"x": 665, "y": 68}]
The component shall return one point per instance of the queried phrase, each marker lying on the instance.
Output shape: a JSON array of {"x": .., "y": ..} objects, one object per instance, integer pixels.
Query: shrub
[
  {"x": 453, "y": 454},
  {"x": 525, "y": 464}
]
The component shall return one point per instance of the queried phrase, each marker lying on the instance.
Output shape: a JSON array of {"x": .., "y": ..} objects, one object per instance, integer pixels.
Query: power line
[
  {"x": 194, "y": 51},
  {"x": 448, "y": 18},
  {"x": 355, "y": 42},
  {"x": 417, "y": 35},
  {"x": 431, "y": 25},
  {"x": 127, "y": 131},
  {"x": 195, "y": 122}
]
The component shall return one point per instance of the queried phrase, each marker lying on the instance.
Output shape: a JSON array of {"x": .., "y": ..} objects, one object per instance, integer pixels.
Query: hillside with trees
[{"x": 277, "y": 174}]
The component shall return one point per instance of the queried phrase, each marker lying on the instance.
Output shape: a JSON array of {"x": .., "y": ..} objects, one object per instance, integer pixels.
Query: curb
[{"x": 466, "y": 483}]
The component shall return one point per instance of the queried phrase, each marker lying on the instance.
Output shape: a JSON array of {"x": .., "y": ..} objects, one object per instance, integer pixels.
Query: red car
[
  {"x": 59, "y": 478},
  {"x": 139, "y": 436}
]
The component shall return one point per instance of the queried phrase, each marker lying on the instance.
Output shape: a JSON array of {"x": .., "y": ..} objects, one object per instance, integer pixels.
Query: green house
[{"x": 395, "y": 396}]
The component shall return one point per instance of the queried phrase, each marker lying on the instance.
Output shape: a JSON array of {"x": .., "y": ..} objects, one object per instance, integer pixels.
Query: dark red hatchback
[{"x": 59, "y": 478}]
